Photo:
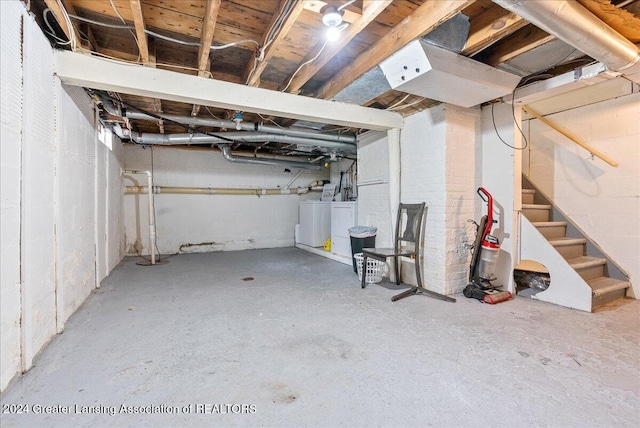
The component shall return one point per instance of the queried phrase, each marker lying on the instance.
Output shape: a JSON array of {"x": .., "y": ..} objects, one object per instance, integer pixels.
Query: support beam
[
  {"x": 138, "y": 20},
  {"x": 206, "y": 35},
  {"x": 523, "y": 40},
  {"x": 371, "y": 10},
  {"x": 251, "y": 76},
  {"x": 157, "y": 103},
  {"x": 570, "y": 136},
  {"x": 424, "y": 19},
  {"x": 489, "y": 27},
  {"x": 101, "y": 74}
]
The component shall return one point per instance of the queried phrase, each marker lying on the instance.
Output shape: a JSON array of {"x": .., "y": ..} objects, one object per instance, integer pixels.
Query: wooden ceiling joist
[
  {"x": 251, "y": 74},
  {"x": 522, "y": 41},
  {"x": 424, "y": 19},
  {"x": 141, "y": 36},
  {"x": 491, "y": 26},
  {"x": 371, "y": 10},
  {"x": 206, "y": 38}
]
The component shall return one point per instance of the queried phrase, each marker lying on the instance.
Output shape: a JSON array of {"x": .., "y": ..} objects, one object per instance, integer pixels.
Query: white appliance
[
  {"x": 343, "y": 216},
  {"x": 315, "y": 223}
]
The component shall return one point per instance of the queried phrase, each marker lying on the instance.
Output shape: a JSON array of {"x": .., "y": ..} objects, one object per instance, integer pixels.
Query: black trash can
[{"x": 361, "y": 237}]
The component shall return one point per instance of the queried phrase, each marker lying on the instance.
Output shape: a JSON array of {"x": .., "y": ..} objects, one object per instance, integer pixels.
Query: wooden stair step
[
  {"x": 605, "y": 290},
  {"x": 549, "y": 223},
  {"x": 536, "y": 207},
  {"x": 551, "y": 229},
  {"x": 527, "y": 196},
  {"x": 536, "y": 212},
  {"x": 528, "y": 191},
  {"x": 604, "y": 285},
  {"x": 588, "y": 267},
  {"x": 569, "y": 248},
  {"x": 561, "y": 242},
  {"x": 583, "y": 262}
]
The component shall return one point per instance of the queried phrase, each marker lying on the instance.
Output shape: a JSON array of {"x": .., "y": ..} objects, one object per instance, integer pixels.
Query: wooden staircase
[{"x": 594, "y": 269}]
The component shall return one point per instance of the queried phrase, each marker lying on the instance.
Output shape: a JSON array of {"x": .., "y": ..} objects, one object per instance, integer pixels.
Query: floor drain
[{"x": 249, "y": 278}]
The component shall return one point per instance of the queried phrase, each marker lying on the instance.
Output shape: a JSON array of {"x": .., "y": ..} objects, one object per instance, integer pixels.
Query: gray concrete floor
[{"x": 304, "y": 345}]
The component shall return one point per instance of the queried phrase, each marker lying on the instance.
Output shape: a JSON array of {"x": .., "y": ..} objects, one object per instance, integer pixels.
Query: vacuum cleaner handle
[{"x": 486, "y": 196}]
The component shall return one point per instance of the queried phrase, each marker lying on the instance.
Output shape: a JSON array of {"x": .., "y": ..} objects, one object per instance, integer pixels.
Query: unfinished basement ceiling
[{"x": 281, "y": 45}]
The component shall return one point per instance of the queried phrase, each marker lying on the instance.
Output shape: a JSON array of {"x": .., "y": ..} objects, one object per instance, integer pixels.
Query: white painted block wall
[
  {"x": 204, "y": 223},
  {"x": 49, "y": 211},
  {"x": 438, "y": 153},
  {"x": 10, "y": 174},
  {"x": 603, "y": 201}
]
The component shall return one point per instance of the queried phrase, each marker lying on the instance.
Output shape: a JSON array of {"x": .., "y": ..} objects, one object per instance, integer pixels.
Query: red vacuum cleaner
[{"x": 485, "y": 258}]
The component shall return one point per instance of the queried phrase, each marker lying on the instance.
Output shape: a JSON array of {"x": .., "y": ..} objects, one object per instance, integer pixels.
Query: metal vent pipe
[
  {"x": 226, "y": 153},
  {"x": 572, "y": 23},
  {"x": 246, "y": 137}
]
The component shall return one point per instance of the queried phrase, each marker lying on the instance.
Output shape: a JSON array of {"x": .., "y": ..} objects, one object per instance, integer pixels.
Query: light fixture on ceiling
[{"x": 332, "y": 18}]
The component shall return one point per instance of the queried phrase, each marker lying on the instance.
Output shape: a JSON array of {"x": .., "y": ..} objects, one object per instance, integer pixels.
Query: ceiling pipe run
[
  {"x": 138, "y": 190},
  {"x": 574, "y": 24},
  {"x": 245, "y": 137},
  {"x": 221, "y": 123},
  {"x": 226, "y": 153}
]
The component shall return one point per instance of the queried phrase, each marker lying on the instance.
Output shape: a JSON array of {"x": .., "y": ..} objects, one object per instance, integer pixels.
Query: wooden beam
[
  {"x": 206, "y": 35},
  {"x": 521, "y": 41},
  {"x": 371, "y": 10},
  {"x": 93, "y": 72},
  {"x": 491, "y": 26},
  {"x": 570, "y": 136},
  {"x": 206, "y": 38},
  {"x": 138, "y": 20},
  {"x": 251, "y": 76},
  {"x": 157, "y": 103},
  {"x": 424, "y": 19}
]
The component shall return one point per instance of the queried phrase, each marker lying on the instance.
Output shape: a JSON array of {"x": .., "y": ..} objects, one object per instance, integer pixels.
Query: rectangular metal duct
[{"x": 429, "y": 71}]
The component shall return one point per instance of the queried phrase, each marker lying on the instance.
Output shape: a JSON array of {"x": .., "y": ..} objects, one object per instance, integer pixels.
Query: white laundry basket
[{"x": 375, "y": 269}]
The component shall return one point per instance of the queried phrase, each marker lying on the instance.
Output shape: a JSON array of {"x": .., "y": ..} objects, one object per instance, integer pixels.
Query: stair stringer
[{"x": 567, "y": 287}]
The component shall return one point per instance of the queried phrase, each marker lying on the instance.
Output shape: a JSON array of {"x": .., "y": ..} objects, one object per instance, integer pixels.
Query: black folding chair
[{"x": 407, "y": 243}]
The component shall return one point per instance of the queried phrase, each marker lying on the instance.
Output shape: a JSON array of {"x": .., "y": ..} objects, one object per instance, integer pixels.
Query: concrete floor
[{"x": 304, "y": 345}]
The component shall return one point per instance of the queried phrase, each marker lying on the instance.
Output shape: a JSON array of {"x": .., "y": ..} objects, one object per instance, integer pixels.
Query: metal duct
[
  {"x": 226, "y": 153},
  {"x": 575, "y": 25},
  {"x": 221, "y": 123}
]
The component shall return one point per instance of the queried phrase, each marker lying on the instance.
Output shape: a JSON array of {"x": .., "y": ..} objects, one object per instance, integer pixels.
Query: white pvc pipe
[{"x": 152, "y": 224}]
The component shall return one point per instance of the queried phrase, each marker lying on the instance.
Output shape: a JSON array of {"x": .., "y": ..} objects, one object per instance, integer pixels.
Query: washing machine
[{"x": 315, "y": 223}]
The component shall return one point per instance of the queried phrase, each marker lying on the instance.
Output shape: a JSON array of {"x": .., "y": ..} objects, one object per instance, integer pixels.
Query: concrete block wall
[
  {"x": 11, "y": 14},
  {"x": 423, "y": 179},
  {"x": 48, "y": 181},
  {"x": 205, "y": 223},
  {"x": 439, "y": 167},
  {"x": 603, "y": 201}
]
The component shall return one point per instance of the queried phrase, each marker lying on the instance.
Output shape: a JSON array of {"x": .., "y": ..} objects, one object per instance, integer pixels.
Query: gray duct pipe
[
  {"x": 247, "y": 137},
  {"x": 226, "y": 153},
  {"x": 220, "y": 123},
  {"x": 574, "y": 24}
]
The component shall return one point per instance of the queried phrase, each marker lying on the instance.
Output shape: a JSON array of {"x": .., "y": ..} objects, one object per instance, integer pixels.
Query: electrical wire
[
  {"x": 115, "y": 9},
  {"x": 161, "y": 36},
  {"x": 53, "y": 33},
  {"x": 303, "y": 64}
]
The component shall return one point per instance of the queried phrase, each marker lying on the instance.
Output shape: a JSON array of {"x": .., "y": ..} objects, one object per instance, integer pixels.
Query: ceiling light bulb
[
  {"x": 333, "y": 34},
  {"x": 331, "y": 17}
]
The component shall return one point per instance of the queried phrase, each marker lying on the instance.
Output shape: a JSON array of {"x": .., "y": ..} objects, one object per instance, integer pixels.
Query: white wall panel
[
  {"x": 76, "y": 196},
  {"x": 201, "y": 223},
  {"x": 11, "y": 15},
  {"x": 603, "y": 201},
  {"x": 38, "y": 204}
]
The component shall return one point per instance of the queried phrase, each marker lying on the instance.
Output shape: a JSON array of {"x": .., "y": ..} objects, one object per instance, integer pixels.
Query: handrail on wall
[{"x": 570, "y": 136}]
